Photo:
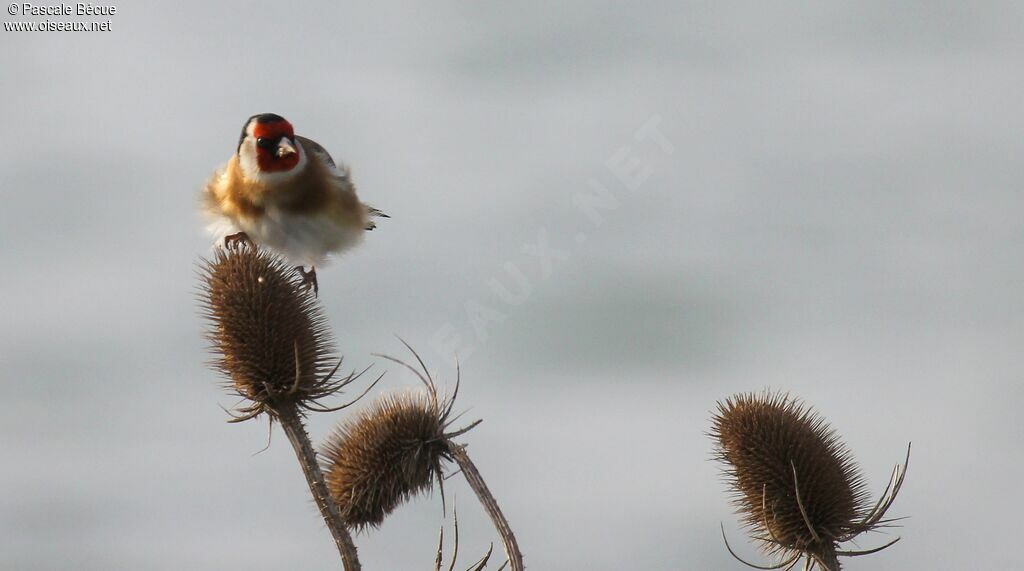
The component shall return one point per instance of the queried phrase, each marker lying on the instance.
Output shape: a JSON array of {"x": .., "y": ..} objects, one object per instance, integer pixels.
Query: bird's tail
[{"x": 372, "y": 212}]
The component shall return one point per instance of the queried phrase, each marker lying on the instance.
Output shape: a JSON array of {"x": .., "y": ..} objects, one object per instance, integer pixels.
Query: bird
[{"x": 285, "y": 192}]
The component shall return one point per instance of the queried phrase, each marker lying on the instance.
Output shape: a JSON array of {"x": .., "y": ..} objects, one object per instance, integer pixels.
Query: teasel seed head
[
  {"x": 390, "y": 452},
  {"x": 796, "y": 485},
  {"x": 268, "y": 333}
]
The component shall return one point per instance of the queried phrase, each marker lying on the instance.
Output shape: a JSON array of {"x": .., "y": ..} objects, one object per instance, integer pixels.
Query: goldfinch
[{"x": 286, "y": 193}]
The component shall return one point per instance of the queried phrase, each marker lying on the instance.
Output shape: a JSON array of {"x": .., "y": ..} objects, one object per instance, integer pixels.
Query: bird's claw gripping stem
[
  {"x": 237, "y": 240},
  {"x": 309, "y": 279}
]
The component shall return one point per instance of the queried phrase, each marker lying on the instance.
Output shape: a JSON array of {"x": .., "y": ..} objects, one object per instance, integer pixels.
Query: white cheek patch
[
  {"x": 247, "y": 159},
  {"x": 302, "y": 159},
  {"x": 251, "y": 169}
]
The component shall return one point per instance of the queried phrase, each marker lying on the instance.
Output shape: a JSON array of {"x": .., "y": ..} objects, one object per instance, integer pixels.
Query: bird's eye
[{"x": 265, "y": 143}]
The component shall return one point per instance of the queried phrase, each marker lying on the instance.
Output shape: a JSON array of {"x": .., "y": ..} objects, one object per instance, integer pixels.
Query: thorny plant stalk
[
  {"x": 409, "y": 433},
  {"x": 293, "y": 428},
  {"x": 476, "y": 482},
  {"x": 273, "y": 344}
]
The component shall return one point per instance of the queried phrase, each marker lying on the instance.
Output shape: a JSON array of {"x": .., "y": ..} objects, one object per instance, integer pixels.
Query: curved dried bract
[
  {"x": 796, "y": 486},
  {"x": 268, "y": 333},
  {"x": 479, "y": 565}
]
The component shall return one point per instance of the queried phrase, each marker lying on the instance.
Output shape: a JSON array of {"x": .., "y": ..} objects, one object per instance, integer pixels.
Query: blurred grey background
[{"x": 824, "y": 199}]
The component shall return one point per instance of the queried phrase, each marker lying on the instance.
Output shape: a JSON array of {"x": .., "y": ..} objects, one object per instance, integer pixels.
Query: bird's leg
[
  {"x": 233, "y": 240},
  {"x": 309, "y": 278}
]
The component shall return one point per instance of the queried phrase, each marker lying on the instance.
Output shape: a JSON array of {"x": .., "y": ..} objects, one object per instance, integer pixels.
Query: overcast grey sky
[{"x": 834, "y": 210}]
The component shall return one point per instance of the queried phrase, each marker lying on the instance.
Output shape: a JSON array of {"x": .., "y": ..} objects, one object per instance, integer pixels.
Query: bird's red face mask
[{"x": 276, "y": 150}]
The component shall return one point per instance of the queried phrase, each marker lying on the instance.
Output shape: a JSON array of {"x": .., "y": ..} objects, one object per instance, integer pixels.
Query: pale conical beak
[{"x": 284, "y": 148}]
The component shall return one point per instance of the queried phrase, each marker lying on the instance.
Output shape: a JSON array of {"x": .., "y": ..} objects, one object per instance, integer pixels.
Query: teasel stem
[
  {"x": 830, "y": 561},
  {"x": 291, "y": 422},
  {"x": 476, "y": 482}
]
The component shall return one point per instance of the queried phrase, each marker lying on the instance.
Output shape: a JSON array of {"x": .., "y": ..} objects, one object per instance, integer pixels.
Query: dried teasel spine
[
  {"x": 396, "y": 449},
  {"x": 479, "y": 565},
  {"x": 796, "y": 486}
]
